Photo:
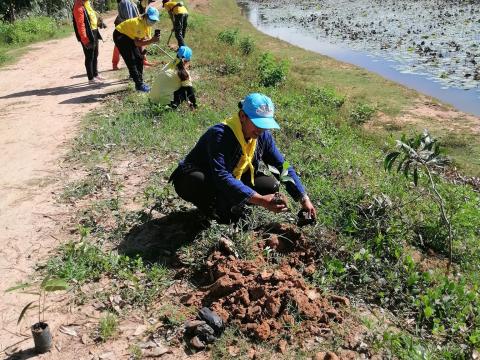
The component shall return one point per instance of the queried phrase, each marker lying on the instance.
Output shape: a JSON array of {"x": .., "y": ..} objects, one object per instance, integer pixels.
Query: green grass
[
  {"x": 374, "y": 217},
  {"x": 14, "y": 37},
  {"x": 107, "y": 327}
]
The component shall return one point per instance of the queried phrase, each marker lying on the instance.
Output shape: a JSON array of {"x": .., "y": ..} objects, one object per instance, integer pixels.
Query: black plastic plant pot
[{"x": 41, "y": 337}]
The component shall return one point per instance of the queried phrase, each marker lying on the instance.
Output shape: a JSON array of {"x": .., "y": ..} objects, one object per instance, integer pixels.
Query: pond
[{"x": 432, "y": 46}]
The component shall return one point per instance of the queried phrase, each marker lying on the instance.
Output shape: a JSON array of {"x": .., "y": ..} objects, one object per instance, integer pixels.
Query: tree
[{"x": 417, "y": 154}]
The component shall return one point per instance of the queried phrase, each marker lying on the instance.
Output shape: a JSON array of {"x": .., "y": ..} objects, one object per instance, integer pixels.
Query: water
[{"x": 463, "y": 95}]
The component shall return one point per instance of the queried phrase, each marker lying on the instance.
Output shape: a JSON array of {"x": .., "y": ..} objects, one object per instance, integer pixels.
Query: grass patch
[
  {"x": 26, "y": 31},
  {"x": 107, "y": 327}
]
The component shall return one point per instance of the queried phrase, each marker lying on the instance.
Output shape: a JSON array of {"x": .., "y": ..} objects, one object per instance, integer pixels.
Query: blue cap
[
  {"x": 259, "y": 108},
  {"x": 152, "y": 14},
  {"x": 184, "y": 52}
]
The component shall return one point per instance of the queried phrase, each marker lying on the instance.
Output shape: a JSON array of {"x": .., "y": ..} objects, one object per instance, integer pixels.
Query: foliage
[
  {"x": 422, "y": 152},
  {"x": 233, "y": 65},
  {"x": 40, "y": 289},
  {"x": 27, "y": 30},
  {"x": 247, "y": 45},
  {"x": 107, "y": 327},
  {"x": 272, "y": 72},
  {"x": 228, "y": 36},
  {"x": 361, "y": 113},
  {"x": 83, "y": 262},
  {"x": 327, "y": 97}
]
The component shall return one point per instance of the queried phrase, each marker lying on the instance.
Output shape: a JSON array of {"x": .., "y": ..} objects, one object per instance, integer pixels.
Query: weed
[
  {"x": 247, "y": 45},
  {"x": 228, "y": 36},
  {"x": 361, "y": 113},
  {"x": 325, "y": 96},
  {"x": 173, "y": 315},
  {"x": 272, "y": 72},
  {"x": 135, "y": 352},
  {"x": 233, "y": 65},
  {"x": 83, "y": 262},
  {"x": 107, "y": 327},
  {"x": 231, "y": 336}
]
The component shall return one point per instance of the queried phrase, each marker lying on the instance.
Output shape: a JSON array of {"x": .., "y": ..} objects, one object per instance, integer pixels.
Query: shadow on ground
[
  {"x": 62, "y": 90},
  {"x": 22, "y": 355},
  {"x": 159, "y": 239}
]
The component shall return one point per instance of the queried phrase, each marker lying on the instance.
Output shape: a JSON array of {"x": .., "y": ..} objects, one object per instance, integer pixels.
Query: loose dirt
[
  {"x": 42, "y": 99},
  {"x": 267, "y": 297}
]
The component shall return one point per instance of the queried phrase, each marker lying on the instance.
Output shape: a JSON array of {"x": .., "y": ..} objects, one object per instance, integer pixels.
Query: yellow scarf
[
  {"x": 92, "y": 15},
  {"x": 248, "y": 149}
]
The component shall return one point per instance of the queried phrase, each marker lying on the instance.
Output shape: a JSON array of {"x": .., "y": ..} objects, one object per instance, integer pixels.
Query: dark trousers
[
  {"x": 91, "y": 57},
  {"x": 131, "y": 55},
  {"x": 195, "y": 188},
  {"x": 180, "y": 23},
  {"x": 185, "y": 93}
]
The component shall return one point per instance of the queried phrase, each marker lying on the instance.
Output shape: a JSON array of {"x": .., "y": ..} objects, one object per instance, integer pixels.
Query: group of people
[
  {"x": 222, "y": 174},
  {"x": 133, "y": 32}
]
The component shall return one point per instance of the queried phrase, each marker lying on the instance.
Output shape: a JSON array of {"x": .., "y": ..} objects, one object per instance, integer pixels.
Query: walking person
[
  {"x": 130, "y": 36},
  {"x": 173, "y": 85},
  {"x": 85, "y": 23},
  {"x": 179, "y": 15},
  {"x": 221, "y": 173},
  {"x": 127, "y": 9}
]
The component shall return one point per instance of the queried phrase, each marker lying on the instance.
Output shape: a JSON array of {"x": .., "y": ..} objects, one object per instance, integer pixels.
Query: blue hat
[
  {"x": 259, "y": 108},
  {"x": 184, "y": 52},
  {"x": 152, "y": 14}
]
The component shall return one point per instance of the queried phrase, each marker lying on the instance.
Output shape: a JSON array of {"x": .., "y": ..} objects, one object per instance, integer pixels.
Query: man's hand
[
  {"x": 270, "y": 202},
  {"x": 308, "y": 206}
]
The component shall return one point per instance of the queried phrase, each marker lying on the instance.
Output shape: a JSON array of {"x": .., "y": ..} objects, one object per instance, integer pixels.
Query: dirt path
[{"x": 42, "y": 99}]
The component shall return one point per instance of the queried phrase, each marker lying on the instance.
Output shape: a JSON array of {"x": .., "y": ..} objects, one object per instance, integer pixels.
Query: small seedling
[
  {"x": 40, "y": 330},
  {"x": 282, "y": 175}
]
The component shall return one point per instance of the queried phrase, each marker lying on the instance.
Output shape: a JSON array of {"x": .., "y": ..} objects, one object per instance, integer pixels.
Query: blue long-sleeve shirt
[{"x": 217, "y": 153}]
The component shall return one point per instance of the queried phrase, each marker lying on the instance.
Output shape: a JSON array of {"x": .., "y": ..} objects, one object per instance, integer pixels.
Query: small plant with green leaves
[
  {"x": 282, "y": 174},
  {"x": 40, "y": 330},
  {"x": 47, "y": 285},
  {"x": 417, "y": 154},
  {"x": 107, "y": 327},
  {"x": 233, "y": 65},
  {"x": 228, "y": 36},
  {"x": 362, "y": 113},
  {"x": 247, "y": 45},
  {"x": 271, "y": 71}
]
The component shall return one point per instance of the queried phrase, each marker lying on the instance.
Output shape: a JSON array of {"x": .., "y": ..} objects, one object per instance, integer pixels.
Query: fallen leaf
[{"x": 67, "y": 330}]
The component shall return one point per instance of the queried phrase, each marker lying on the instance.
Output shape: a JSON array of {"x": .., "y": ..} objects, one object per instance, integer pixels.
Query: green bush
[
  {"x": 362, "y": 113},
  {"x": 247, "y": 45},
  {"x": 272, "y": 72},
  {"x": 27, "y": 30},
  {"x": 233, "y": 65},
  {"x": 228, "y": 36}
]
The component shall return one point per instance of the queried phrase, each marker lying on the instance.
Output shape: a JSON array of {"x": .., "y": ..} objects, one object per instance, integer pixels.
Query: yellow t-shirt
[
  {"x": 92, "y": 16},
  {"x": 170, "y": 7},
  {"x": 135, "y": 28},
  {"x": 166, "y": 83}
]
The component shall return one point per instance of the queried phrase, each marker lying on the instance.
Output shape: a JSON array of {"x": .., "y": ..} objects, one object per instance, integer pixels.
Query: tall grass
[{"x": 26, "y": 31}]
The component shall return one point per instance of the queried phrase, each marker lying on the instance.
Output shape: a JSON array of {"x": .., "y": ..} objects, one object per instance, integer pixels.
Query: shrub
[
  {"x": 231, "y": 65},
  {"x": 228, "y": 36},
  {"x": 247, "y": 45},
  {"x": 272, "y": 72},
  {"x": 327, "y": 97},
  {"x": 27, "y": 30},
  {"x": 362, "y": 113}
]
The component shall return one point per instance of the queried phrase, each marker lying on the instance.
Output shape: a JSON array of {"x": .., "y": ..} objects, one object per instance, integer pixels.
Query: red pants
[{"x": 116, "y": 58}]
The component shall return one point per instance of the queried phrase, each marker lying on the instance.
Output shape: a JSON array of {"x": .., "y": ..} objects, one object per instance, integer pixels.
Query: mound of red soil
[{"x": 264, "y": 298}]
